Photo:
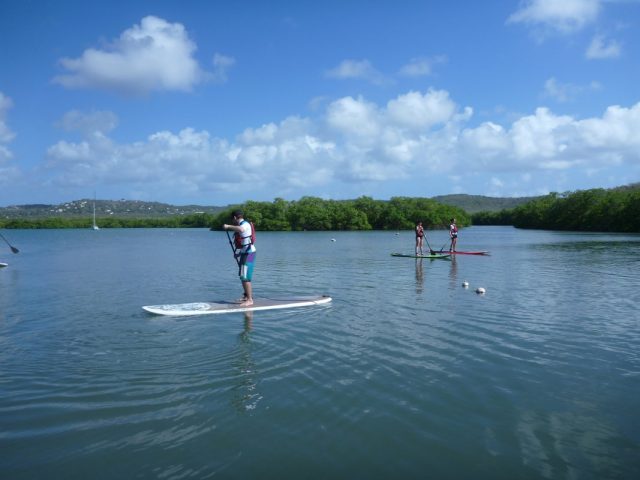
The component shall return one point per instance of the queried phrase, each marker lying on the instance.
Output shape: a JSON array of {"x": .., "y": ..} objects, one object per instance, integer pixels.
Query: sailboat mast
[{"x": 95, "y": 227}]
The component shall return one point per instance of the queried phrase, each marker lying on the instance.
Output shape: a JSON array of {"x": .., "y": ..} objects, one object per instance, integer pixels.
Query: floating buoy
[
  {"x": 480, "y": 290},
  {"x": 333, "y": 239},
  {"x": 465, "y": 284}
]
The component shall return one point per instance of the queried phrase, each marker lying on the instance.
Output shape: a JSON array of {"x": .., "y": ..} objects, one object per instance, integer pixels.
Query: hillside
[
  {"x": 139, "y": 209},
  {"x": 104, "y": 208},
  {"x": 479, "y": 203}
]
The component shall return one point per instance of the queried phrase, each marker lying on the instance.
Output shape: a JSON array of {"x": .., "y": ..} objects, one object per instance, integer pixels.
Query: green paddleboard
[{"x": 428, "y": 255}]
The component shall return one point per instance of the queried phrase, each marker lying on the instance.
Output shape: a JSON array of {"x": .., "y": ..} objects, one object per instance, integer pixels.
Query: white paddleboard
[
  {"x": 3, "y": 264},
  {"x": 208, "y": 308}
]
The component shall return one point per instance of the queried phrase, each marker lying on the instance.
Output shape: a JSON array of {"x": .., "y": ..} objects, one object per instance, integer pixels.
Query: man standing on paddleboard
[{"x": 246, "y": 252}]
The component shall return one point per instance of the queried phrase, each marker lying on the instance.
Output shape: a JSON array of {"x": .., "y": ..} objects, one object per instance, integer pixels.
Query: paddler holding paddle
[
  {"x": 419, "y": 237},
  {"x": 245, "y": 253},
  {"x": 453, "y": 234}
]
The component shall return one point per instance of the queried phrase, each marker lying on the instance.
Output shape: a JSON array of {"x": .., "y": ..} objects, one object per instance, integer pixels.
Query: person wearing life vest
[
  {"x": 453, "y": 234},
  {"x": 244, "y": 237},
  {"x": 419, "y": 238}
]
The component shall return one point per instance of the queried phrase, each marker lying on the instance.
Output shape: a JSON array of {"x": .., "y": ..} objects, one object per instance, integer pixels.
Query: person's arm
[{"x": 235, "y": 228}]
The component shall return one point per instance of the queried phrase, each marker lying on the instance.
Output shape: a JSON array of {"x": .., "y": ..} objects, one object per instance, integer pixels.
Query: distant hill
[
  {"x": 104, "y": 208},
  {"x": 139, "y": 209},
  {"x": 479, "y": 203},
  {"x": 630, "y": 187}
]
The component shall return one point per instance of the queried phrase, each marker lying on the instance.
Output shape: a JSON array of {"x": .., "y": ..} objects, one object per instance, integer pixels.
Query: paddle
[
  {"x": 233, "y": 248},
  {"x": 431, "y": 250},
  {"x": 13, "y": 249}
]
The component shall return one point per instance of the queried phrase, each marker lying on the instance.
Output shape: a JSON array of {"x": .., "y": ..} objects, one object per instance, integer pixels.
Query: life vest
[{"x": 238, "y": 238}]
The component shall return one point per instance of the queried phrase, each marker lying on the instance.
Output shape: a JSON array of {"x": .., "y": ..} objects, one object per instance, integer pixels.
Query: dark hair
[{"x": 237, "y": 213}]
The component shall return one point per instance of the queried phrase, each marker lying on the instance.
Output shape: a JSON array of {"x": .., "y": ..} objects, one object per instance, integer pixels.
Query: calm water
[{"x": 405, "y": 375}]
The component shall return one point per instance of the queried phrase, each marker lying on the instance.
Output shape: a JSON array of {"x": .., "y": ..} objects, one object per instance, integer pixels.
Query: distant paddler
[
  {"x": 453, "y": 235},
  {"x": 419, "y": 237}
]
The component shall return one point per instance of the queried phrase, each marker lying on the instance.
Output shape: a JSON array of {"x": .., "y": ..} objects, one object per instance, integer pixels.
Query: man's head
[{"x": 237, "y": 215}]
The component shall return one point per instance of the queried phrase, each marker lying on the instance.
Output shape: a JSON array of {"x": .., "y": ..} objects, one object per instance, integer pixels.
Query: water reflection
[
  {"x": 453, "y": 272},
  {"x": 246, "y": 395},
  {"x": 419, "y": 276}
]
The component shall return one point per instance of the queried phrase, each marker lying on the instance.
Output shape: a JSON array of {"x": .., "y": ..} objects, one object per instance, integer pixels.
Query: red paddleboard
[{"x": 460, "y": 252}]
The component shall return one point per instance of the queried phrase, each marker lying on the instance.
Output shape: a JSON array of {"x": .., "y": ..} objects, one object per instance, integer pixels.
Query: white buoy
[
  {"x": 480, "y": 290},
  {"x": 465, "y": 284},
  {"x": 333, "y": 239}
]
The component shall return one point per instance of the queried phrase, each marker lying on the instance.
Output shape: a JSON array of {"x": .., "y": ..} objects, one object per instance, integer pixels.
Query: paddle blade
[{"x": 15, "y": 250}]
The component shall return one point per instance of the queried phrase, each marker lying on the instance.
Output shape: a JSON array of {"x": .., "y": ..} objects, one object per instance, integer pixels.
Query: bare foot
[{"x": 247, "y": 303}]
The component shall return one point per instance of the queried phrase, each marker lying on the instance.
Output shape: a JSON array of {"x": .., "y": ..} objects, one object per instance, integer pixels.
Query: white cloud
[
  {"x": 486, "y": 141},
  {"x": 355, "y": 118},
  {"x": 564, "y": 92},
  {"x": 601, "y": 48},
  {"x": 6, "y": 135},
  {"x": 540, "y": 136},
  {"x": 355, "y": 142},
  {"x": 94, "y": 122},
  {"x": 221, "y": 65},
  {"x": 545, "y": 141},
  {"x": 421, "y": 66},
  {"x": 154, "y": 55},
  {"x": 564, "y": 16},
  {"x": 8, "y": 172},
  {"x": 356, "y": 69},
  {"x": 415, "y": 110},
  {"x": 617, "y": 132}
]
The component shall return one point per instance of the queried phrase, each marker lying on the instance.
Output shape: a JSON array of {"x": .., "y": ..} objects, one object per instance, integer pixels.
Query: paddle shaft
[
  {"x": 13, "y": 249},
  {"x": 424, "y": 235},
  {"x": 233, "y": 249}
]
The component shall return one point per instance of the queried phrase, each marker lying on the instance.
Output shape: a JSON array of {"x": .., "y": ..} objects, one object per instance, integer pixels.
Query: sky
[{"x": 220, "y": 102}]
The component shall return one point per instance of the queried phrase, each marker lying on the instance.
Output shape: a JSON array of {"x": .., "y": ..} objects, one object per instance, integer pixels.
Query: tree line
[
  {"x": 595, "y": 210},
  {"x": 363, "y": 213},
  {"x": 308, "y": 213},
  {"x": 603, "y": 210}
]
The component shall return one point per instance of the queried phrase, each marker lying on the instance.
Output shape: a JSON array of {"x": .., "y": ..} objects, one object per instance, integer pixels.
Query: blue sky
[{"x": 212, "y": 102}]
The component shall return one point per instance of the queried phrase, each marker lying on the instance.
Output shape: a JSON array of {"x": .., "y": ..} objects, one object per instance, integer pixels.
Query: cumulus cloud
[
  {"x": 602, "y": 48},
  {"x": 419, "y": 111},
  {"x": 545, "y": 141},
  {"x": 354, "y": 118},
  {"x": 566, "y": 16},
  {"x": 154, "y": 55},
  {"x": 354, "y": 141}
]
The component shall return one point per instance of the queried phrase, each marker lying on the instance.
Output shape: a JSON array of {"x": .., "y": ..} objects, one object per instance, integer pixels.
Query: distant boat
[{"x": 95, "y": 227}]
